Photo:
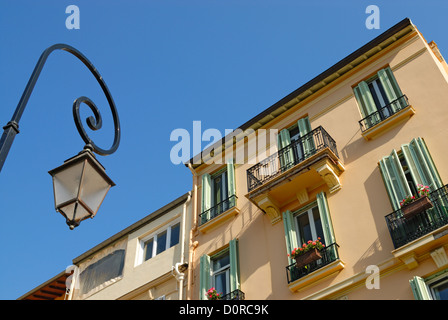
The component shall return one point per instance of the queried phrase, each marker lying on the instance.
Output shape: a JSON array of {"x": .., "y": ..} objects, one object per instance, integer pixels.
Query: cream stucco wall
[{"x": 153, "y": 278}]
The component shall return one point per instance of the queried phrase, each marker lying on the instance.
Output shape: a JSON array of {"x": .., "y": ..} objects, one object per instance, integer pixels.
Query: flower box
[
  {"x": 417, "y": 206},
  {"x": 308, "y": 257}
]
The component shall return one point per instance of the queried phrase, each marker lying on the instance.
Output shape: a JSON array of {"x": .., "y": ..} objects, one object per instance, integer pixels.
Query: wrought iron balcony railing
[
  {"x": 286, "y": 158},
  {"x": 329, "y": 255},
  {"x": 404, "y": 230},
  {"x": 234, "y": 295},
  {"x": 217, "y": 209},
  {"x": 384, "y": 113}
]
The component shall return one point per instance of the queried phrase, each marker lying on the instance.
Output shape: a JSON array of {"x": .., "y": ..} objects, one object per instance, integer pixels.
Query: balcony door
[
  {"x": 403, "y": 171},
  {"x": 219, "y": 193},
  {"x": 310, "y": 223},
  {"x": 309, "y": 226},
  {"x": 295, "y": 144},
  {"x": 220, "y": 273},
  {"x": 379, "y": 97},
  {"x": 297, "y": 152}
]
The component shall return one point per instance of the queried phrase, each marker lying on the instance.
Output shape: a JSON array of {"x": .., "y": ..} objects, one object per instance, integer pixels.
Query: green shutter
[
  {"x": 204, "y": 276},
  {"x": 394, "y": 179},
  {"x": 402, "y": 103},
  {"x": 290, "y": 233},
  {"x": 393, "y": 82},
  {"x": 413, "y": 163},
  {"x": 368, "y": 106},
  {"x": 422, "y": 152},
  {"x": 234, "y": 265},
  {"x": 286, "y": 157},
  {"x": 362, "y": 107},
  {"x": 424, "y": 172},
  {"x": 307, "y": 142},
  {"x": 206, "y": 196},
  {"x": 391, "y": 88},
  {"x": 327, "y": 225},
  {"x": 420, "y": 289},
  {"x": 420, "y": 163},
  {"x": 231, "y": 182},
  {"x": 325, "y": 217}
]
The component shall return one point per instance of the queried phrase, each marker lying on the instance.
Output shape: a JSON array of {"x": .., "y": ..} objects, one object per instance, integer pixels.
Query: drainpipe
[
  {"x": 192, "y": 245},
  {"x": 74, "y": 278},
  {"x": 181, "y": 266}
]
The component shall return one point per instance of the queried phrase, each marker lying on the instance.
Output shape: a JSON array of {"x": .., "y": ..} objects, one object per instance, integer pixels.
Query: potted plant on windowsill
[
  {"x": 308, "y": 253},
  {"x": 212, "y": 294},
  {"x": 411, "y": 205}
]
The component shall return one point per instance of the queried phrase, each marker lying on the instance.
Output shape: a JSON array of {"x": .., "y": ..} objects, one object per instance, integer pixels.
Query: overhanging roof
[
  {"x": 331, "y": 74},
  {"x": 154, "y": 215},
  {"x": 49, "y": 290}
]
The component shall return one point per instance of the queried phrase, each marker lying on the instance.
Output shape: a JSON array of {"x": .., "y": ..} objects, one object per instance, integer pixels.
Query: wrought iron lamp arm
[{"x": 12, "y": 127}]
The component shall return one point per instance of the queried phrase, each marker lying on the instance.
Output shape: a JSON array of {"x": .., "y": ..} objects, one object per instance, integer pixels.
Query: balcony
[
  {"x": 425, "y": 232},
  {"x": 386, "y": 118},
  {"x": 405, "y": 230},
  {"x": 299, "y": 278},
  {"x": 217, "y": 214},
  {"x": 303, "y": 165},
  {"x": 234, "y": 295}
]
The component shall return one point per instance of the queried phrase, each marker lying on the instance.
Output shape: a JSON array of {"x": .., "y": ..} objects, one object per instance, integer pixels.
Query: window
[
  {"x": 310, "y": 223},
  {"x": 379, "y": 97},
  {"x": 149, "y": 245},
  {"x": 218, "y": 192},
  {"x": 309, "y": 226},
  {"x": 403, "y": 170},
  {"x": 175, "y": 234},
  {"x": 161, "y": 241},
  {"x": 439, "y": 289},
  {"x": 295, "y": 144},
  {"x": 430, "y": 289},
  {"x": 220, "y": 271}
]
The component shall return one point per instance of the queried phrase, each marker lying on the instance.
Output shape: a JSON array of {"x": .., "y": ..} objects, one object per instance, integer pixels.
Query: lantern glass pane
[
  {"x": 80, "y": 214},
  {"x": 94, "y": 188},
  {"x": 66, "y": 183}
]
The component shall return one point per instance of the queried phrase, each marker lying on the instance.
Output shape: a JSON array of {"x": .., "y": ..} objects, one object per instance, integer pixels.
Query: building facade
[
  {"x": 145, "y": 261},
  {"x": 351, "y": 163},
  {"x": 340, "y": 158}
]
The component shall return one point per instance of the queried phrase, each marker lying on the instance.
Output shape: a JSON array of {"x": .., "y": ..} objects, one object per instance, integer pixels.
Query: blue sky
[{"x": 167, "y": 63}]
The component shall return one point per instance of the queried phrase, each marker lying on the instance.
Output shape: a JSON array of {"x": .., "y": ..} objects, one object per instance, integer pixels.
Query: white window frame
[
  {"x": 375, "y": 82},
  {"x": 378, "y": 93},
  {"x": 224, "y": 186},
  {"x": 436, "y": 282},
  {"x": 225, "y": 269},
  {"x": 154, "y": 235},
  {"x": 298, "y": 152},
  {"x": 309, "y": 211}
]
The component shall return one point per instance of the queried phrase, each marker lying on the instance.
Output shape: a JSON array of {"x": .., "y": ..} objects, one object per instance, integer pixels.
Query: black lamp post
[{"x": 81, "y": 183}]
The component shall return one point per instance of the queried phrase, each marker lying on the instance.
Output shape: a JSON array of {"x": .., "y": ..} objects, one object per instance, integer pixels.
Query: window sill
[
  {"x": 316, "y": 276},
  {"x": 221, "y": 218},
  {"x": 388, "y": 123}
]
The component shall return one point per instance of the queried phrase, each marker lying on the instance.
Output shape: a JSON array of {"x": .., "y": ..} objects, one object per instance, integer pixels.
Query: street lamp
[
  {"x": 79, "y": 187},
  {"x": 81, "y": 183}
]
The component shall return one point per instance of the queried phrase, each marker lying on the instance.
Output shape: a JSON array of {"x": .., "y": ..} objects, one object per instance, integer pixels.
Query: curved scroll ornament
[{"x": 12, "y": 128}]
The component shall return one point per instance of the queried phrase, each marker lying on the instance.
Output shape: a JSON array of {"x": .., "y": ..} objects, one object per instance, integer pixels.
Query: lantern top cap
[{"x": 85, "y": 155}]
